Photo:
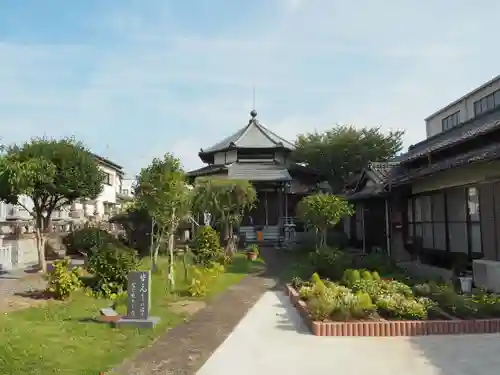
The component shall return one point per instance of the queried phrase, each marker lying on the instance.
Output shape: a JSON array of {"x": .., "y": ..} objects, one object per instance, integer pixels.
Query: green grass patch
[{"x": 62, "y": 338}]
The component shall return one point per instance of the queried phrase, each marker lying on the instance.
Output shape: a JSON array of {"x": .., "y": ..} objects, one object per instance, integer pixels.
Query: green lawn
[{"x": 62, "y": 338}]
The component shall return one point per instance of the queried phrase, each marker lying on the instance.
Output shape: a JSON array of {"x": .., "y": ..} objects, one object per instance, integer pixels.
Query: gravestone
[{"x": 139, "y": 301}]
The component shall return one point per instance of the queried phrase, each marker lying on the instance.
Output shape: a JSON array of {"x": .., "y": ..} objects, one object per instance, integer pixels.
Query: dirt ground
[{"x": 18, "y": 293}]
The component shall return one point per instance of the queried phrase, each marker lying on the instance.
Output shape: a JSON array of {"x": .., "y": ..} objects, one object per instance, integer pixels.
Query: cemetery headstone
[{"x": 139, "y": 301}]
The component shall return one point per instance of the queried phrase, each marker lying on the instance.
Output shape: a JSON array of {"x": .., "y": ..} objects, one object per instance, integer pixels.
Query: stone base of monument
[
  {"x": 109, "y": 315},
  {"x": 150, "y": 322}
]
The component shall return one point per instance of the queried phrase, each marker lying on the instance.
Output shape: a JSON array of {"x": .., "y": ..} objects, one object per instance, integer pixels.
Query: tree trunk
[
  {"x": 155, "y": 255},
  {"x": 230, "y": 245},
  {"x": 46, "y": 224},
  {"x": 171, "y": 274},
  {"x": 324, "y": 234},
  {"x": 171, "y": 271},
  {"x": 226, "y": 233},
  {"x": 151, "y": 244},
  {"x": 40, "y": 246},
  {"x": 185, "y": 263}
]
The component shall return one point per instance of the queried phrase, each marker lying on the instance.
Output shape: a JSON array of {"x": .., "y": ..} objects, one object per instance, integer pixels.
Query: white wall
[
  {"x": 110, "y": 190},
  {"x": 465, "y": 106},
  {"x": 128, "y": 187},
  {"x": 227, "y": 157}
]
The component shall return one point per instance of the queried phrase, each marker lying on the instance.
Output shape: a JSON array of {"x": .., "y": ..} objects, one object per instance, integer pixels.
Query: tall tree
[
  {"x": 226, "y": 200},
  {"x": 345, "y": 149},
  {"x": 161, "y": 189},
  {"x": 53, "y": 173}
]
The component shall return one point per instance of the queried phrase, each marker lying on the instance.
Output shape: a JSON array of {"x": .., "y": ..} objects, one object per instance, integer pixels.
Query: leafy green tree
[
  {"x": 162, "y": 191},
  {"x": 322, "y": 211},
  {"x": 226, "y": 200},
  {"x": 53, "y": 173},
  {"x": 345, "y": 149}
]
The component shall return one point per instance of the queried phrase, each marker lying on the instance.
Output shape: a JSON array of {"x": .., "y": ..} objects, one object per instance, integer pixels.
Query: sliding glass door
[{"x": 447, "y": 220}]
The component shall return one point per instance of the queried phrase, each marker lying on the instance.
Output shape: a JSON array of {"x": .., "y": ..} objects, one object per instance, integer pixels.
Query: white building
[
  {"x": 100, "y": 208},
  {"x": 127, "y": 189},
  {"x": 478, "y": 101}
]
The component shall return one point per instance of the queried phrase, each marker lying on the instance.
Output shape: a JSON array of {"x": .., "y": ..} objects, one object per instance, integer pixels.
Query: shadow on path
[
  {"x": 461, "y": 354},
  {"x": 289, "y": 319}
]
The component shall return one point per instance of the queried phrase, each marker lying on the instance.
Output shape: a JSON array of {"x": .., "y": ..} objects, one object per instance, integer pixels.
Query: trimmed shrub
[
  {"x": 376, "y": 262},
  {"x": 366, "y": 275},
  {"x": 350, "y": 277},
  {"x": 198, "y": 287},
  {"x": 85, "y": 239},
  {"x": 330, "y": 263},
  {"x": 327, "y": 300},
  {"x": 206, "y": 246},
  {"x": 202, "y": 277},
  {"x": 62, "y": 280},
  {"x": 397, "y": 306},
  {"x": 110, "y": 267}
]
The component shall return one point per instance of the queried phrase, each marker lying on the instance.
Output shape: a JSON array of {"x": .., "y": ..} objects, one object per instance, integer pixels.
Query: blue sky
[{"x": 134, "y": 79}]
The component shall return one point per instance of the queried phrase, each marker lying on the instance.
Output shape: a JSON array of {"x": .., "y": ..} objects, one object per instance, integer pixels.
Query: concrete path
[{"x": 271, "y": 339}]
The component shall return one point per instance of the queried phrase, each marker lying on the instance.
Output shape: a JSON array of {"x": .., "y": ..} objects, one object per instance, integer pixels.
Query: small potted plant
[{"x": 253, "y": 252}]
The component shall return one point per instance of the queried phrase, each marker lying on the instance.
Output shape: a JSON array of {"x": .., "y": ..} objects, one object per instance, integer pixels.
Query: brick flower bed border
[{"x": 391, "y": 328}]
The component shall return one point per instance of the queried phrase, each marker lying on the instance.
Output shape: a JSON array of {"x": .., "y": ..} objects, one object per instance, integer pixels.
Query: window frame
[
  {"x": 108, "y": 179},
  {"x": 471, "y": 220},
  {"x": 487, "y": 103},
  {"x": 450, "y": 121}
]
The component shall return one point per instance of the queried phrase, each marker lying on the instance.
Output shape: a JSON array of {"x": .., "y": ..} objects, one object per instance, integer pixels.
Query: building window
[
  {"x": 487, "y": 103},
  {"x": 426, "y": 221},
  {"x": 474, "y": 223},
  {"x": 448, "y": 220},
  {"x": 438, "y": 221},
  {"x": 108, "y": 178},
  {"x": 125, "y": 191},
  {"x": 248, "y": 155},
  {"x": 457, "y": 220},
  {"x": 451, "y": 121}
]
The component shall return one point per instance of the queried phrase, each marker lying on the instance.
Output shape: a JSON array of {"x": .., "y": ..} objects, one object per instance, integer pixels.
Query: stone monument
[{"x": 139, "y": 301}]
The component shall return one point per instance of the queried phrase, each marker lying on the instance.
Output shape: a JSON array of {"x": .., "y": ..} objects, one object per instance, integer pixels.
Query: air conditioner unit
[{"x": 486, "y": 274}]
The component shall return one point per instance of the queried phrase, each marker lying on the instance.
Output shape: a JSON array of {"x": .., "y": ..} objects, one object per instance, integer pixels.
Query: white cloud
[{"x": 313, "y": 63}]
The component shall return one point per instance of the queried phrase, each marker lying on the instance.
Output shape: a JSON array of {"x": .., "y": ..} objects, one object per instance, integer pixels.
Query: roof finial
[{"x": 253, "y": 113}]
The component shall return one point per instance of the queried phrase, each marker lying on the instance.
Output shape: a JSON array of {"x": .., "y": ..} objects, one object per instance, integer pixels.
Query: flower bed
[
  {"x": 361, "y": 303},
  {"x": 390, "y": 328}
]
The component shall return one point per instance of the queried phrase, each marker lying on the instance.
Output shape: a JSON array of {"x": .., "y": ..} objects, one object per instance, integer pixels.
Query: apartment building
[
  {"x": 100, "y": 208},
  {"x": 481, "y": 100},
  {"x": 127, "y": 189}
]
